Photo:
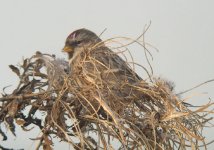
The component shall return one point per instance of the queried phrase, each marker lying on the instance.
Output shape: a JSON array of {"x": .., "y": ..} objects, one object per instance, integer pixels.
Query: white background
[{"x": 182, "y": 31}]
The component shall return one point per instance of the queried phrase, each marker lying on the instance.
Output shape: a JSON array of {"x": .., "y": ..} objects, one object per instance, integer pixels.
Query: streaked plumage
[{"x": 85, "y": 41}]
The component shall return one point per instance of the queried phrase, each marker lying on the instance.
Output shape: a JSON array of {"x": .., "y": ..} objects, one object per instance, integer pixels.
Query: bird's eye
[
  {"x": 75, "y": 43},
  {"x": 78, "y": 42}
]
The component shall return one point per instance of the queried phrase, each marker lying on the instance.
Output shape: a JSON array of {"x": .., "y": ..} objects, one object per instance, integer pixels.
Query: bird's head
[{"x": 80, "y": 39}]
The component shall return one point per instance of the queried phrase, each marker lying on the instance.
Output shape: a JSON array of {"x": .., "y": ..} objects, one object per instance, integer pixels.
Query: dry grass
[{"x": 89, "y": 111}]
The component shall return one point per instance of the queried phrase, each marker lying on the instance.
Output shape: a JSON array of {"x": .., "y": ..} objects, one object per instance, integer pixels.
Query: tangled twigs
[{"x": 89, "y": 108}]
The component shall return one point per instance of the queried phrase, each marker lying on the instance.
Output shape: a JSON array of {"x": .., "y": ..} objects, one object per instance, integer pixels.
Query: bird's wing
[{"x": 114, "y": 62}]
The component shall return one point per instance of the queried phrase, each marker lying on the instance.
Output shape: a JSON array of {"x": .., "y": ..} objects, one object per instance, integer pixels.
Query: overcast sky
[{"x": 182, "y": 31}]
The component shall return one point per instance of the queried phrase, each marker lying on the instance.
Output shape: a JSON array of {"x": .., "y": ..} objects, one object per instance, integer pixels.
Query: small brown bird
[
  {"x": 85, "y": 41},
  {"x": 98, "y": 71}
]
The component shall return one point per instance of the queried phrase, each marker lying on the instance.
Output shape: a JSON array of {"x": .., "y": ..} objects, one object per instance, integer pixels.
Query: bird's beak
[{"x": 67, "y": 49}]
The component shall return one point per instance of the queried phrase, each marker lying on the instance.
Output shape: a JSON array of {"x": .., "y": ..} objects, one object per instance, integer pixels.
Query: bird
[
  {"x": 83, "y": 40},
  {"x": 93, "y": 64}
]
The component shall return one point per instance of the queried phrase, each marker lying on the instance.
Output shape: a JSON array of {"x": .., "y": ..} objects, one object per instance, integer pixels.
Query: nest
[{"x": 91, "y": 109}]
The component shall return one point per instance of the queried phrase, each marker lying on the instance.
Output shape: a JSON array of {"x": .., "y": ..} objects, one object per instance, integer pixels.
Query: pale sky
[{"x": 182, "y": 31}]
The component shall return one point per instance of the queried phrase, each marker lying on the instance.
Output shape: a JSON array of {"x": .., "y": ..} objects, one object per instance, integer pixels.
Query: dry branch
[{"x": 87, "y": 110}]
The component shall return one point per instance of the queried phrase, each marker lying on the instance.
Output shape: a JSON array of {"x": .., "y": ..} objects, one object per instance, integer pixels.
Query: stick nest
[{"x": 92, "y": 110}]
